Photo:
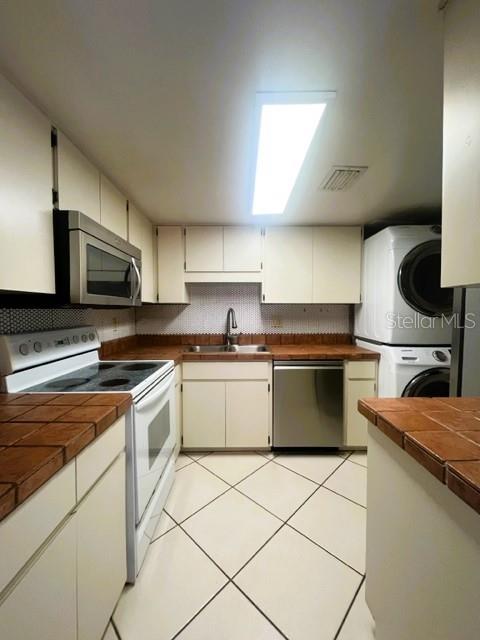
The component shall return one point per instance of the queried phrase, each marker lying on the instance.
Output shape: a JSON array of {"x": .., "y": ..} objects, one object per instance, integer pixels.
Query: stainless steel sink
[{"x": 232, "y": 348}]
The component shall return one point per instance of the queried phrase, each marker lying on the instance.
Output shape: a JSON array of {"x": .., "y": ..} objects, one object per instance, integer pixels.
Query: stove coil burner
[
  {"x": 68, "y": 383},
  {"x": 114, "y": 382},
  {"x": 104, "y": 367},
  {"x": 139, "y": 366}
]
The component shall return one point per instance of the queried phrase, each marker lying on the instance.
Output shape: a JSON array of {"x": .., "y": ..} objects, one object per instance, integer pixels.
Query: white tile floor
[{"x": 253, "y": 546}]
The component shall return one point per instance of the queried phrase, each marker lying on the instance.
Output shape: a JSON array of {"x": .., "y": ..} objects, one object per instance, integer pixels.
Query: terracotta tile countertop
[
  {"x": 41, "y": 432},
  {"x": 442, "y": 434},
  {"x": 180, "y": 353}
]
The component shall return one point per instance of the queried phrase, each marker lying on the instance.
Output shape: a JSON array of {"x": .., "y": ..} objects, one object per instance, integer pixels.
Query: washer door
[
  {"x": 432, "y": 383},
  {"x": 419, "y": 280}
]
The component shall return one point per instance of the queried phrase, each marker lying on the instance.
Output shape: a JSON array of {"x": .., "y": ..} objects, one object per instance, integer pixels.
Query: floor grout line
[
  {"x": 282, "y": 522},
  {"x": 306, "y": 477},
  {"x": 340, "y": 495},
  {"x": 281, "y": 527},
  {"x": 200, "y": 508},
  {"x": 349, "y": 608},
  {"x": 229, "y": 579},
  {"x": 115, "y": 628},
  {"x": 259, "y": 610},
  {"x": 229, "y": 483},
  {"x": 200, "y": 611},
  {"x": 324, "y": 549}
]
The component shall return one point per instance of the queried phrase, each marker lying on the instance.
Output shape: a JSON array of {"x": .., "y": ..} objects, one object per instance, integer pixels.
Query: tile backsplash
[
  {"x": 209, "y": 304},
  {"x": 206, "y": 313},
  {"x": 110, "y": 323}
]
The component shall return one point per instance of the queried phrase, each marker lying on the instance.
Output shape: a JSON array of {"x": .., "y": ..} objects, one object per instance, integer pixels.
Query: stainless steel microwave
[{"x": 94, "y": 266}]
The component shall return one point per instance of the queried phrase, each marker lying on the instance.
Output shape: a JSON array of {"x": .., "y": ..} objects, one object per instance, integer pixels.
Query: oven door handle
[
  {"x": 139, "y": 280},
  {"x": 156, "y": 393}
]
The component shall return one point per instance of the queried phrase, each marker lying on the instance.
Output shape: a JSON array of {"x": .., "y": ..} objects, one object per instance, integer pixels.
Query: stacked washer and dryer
[{"x": 405, "y": 315}]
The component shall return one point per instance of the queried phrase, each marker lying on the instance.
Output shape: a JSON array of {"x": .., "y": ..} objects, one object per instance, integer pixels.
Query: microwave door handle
[{"x": 139, "y": 279}]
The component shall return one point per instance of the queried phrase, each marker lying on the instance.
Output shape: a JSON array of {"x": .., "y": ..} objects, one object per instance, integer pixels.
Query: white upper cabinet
[
  {"x": 113, "y": 208},
  {"x": 223, "y": 254},
  {"x": 140, "y": 234},
  {"x": 26, "y": 178},
  {"x": 204, "y": 249},
  {"x": 170, "y": 264},
  {"x": 78, "y": 181},
  {"x": 337, "y": 255},
  {"x": 288, "y": 272},
  {"x": 242, "y": 249},
  {"x": 461, "y": 146}
]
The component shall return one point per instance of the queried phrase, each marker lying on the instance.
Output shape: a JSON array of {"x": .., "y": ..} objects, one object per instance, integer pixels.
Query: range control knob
[
  {"x": 37, "y": 346},
  {"x": 440, "y": 356},
  {"x": 23, "y": 348},
  {"x": 91, "y": 336},
  {"x": 84, "y": 337},
  {"x": 76, "y": 339}
]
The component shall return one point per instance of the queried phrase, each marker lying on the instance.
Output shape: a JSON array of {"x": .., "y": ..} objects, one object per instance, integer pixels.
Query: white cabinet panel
[
  {"x": 357, "y": 386},
  {"x": 204, "y": 249},
  {"x": 43, "y": 604},
  {"x": 26, "y": 179},
  {"x": 247, "y": 414},
  {"x": 337, "y": 253},
  {"x": 170, "y": 263},
  {"x": 113, "y": 208},
  {"x": 78, "y": 180},
  {"x": 36, "y": 519},
  {"x": 98, "y": 456},
  {"x": 288, "y": 268},
  {"x": 242, "y": 249},
  {"x": 203, "y": 414},
  {"x": 140, "y": 234},
  {"x": 101, "y": 551},
  {"x": 461, "y": 145}
]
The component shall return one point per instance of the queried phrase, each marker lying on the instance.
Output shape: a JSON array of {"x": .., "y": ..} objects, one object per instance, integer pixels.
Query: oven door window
[
  {"x": 107, "y": 274},
  {"x": 158, "y": 432}
]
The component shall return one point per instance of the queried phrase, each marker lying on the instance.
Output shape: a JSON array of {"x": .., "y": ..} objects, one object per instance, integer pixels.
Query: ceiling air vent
[{"x": 341, "y": 178}]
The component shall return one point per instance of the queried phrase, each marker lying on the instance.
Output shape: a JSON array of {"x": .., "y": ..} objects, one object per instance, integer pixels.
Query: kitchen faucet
[{"x": 231, "y": 324}]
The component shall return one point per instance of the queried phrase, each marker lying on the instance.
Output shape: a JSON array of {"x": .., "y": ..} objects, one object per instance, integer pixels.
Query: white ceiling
[{"x": 161, "y": 96}]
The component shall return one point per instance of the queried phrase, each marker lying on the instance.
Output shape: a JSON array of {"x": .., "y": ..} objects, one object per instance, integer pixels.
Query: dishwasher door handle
[{"x": 324, "y": 368}]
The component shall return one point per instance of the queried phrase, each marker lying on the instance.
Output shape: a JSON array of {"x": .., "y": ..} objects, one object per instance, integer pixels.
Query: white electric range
[{"x": 67, "y": 361}]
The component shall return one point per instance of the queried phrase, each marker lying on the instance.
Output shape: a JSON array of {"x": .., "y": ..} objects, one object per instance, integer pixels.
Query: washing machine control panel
[
  {"x": 440, "y": 356},
  {"x": 422, "y": 356}
]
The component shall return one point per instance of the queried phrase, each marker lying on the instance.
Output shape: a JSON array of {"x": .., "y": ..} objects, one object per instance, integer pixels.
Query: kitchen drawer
[
  {"x": 226, "y": 370},
  {"x": 27, "y": 528},
  {"x": 98, "y": 456},
  {"x": 361, "y": 370}
]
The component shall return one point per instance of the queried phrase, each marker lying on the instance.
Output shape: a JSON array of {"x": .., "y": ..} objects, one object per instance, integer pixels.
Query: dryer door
[
  {"x": 431, "y": 383},
  {"x": 419, "y": 280}
]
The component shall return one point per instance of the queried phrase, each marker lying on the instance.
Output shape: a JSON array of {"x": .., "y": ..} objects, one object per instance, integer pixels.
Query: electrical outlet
[{"x": 277, "y": 323}]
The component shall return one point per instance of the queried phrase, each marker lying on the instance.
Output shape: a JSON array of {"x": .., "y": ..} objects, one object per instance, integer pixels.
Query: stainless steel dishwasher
[{"x": 308, "y": 403}]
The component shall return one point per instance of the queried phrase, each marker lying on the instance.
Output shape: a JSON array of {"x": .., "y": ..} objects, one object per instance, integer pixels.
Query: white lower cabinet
[
  {"x": 226, "y": 405},
  {"x": 203, "y": 414},
  {"x": 101, "y": 572},
  {"x": 66, "y": 587},
  {"x": 247, "y": 410},
  {"x": 43, "y": 604},
  {"x": 360, "y": 381}
]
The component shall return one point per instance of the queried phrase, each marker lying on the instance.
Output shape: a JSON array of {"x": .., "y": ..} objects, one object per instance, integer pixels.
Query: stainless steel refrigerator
[{"x": 465, "y": 367}]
